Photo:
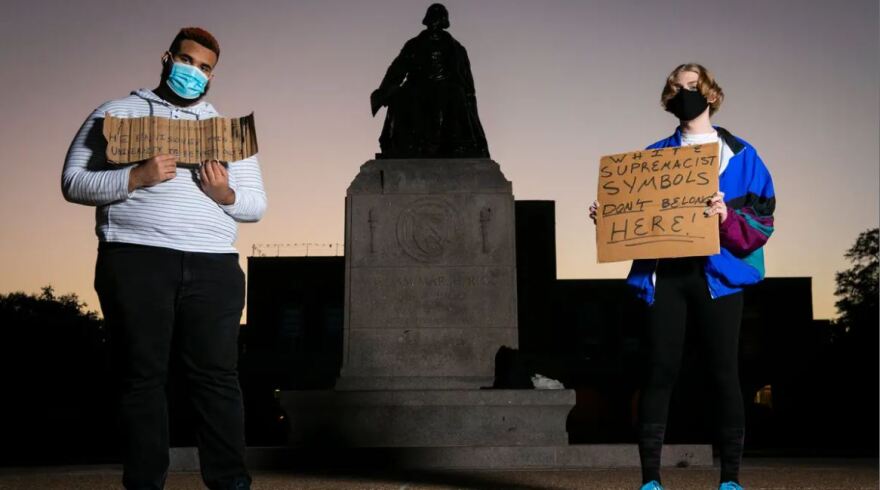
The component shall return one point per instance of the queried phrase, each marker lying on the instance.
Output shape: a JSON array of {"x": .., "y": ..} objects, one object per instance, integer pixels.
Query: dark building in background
[
  {"x": 585, "y": 333},
  {"x": 293, "y": 336},
  {"x": 535, "y": 272}
]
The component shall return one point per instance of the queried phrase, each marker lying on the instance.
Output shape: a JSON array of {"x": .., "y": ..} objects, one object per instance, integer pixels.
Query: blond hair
[{"x": 706, "y": 84}]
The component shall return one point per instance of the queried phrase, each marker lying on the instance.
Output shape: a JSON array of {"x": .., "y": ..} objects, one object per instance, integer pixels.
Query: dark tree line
[
  {"x": 853, "y": 391},
  {"x": 54, "y": 370}
]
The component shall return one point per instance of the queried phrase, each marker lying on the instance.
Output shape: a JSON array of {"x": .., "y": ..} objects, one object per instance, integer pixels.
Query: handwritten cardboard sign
[
  {"x": 134, "y": 139},
  {"x": 651, "y": 204}
]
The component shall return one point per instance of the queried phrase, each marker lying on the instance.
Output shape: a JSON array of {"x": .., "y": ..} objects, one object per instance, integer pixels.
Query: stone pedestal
[
  {"x": 430, "y": 297},
  {"x": 430, "y": 274}
]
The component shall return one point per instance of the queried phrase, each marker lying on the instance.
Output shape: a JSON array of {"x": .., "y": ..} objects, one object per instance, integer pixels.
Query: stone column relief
[{"x": 485, "y": 218}]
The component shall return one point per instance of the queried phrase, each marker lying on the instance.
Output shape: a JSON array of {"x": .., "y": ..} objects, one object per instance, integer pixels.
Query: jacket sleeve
[
  {"x": 749, "y": 222},
  {"x": 246, "y": 180},
  {"x": 86, "y": 177}
]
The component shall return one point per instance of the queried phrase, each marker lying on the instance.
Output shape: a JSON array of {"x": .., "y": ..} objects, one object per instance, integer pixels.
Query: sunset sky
[{"x": 559, "y": 84}]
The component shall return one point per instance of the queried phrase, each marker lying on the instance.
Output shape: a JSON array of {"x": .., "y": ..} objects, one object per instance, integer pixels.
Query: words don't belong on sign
[{"x": 651, "y": 204}]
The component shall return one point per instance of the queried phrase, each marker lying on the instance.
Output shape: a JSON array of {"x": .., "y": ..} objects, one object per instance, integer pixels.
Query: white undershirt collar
[{"x": 688, "y": 139}]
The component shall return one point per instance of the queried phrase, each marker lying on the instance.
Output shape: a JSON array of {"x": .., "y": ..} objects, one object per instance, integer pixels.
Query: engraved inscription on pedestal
[{"x": 431, "y": 297}]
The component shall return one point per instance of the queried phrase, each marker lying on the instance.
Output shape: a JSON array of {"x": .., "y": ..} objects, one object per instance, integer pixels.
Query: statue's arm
[
  {"x": 394, "y": 77},
  {"x": 396, "y": 73}
]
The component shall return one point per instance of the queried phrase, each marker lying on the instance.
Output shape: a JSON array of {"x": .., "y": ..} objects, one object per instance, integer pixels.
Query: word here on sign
[
  {"x": 652, "y": 202},
  {"x": 131, "y": 140}
]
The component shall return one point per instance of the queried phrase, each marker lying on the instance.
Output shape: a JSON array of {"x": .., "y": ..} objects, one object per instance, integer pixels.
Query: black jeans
[
  {"x": 150, "y": 295},
  {"x": 682, "y": 292}
]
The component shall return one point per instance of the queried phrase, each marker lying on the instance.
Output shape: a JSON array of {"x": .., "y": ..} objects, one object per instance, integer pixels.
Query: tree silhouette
[
  {"x": 55, "y": 376},
  {"x": 850, "y": 367},
  {"x": 857, "y": 288}
]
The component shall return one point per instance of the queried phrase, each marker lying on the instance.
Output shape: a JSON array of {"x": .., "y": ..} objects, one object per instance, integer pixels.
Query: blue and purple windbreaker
[{"x": 748, "y": 193}]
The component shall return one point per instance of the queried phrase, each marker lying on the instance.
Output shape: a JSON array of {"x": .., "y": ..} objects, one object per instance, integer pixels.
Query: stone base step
[
  {"x": 580, "y": 456},
  {"x": 427, "y": 418}
]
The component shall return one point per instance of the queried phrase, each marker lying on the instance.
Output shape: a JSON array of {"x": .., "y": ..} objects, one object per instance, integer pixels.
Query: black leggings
[{"x": 681, "y": 292}]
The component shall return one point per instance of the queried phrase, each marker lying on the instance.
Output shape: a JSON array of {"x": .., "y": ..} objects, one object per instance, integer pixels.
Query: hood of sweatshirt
[{"x": 201, "y": 110}]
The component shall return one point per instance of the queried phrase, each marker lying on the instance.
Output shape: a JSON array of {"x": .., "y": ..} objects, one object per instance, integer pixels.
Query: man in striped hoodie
[{"x": 167, "y": 269}]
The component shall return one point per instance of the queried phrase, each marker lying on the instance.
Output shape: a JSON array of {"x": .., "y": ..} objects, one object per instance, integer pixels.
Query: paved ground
[{"x": 763, "y": 474}]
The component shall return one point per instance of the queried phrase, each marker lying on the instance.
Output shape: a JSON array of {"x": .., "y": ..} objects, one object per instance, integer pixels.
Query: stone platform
[
  {"x": 564, "y": 457},
  {"x": 427, "y": 418}
]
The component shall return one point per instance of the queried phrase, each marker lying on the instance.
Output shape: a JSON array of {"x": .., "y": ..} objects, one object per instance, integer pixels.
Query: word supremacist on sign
[
  {"x": 651, "y": 204},
  {"x": 131, "y": 140}
]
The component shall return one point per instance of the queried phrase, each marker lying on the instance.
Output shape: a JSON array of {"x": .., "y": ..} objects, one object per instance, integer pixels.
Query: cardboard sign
[
  {"x": 131, "y": 140},
  {"x": 651, "y": 204}
]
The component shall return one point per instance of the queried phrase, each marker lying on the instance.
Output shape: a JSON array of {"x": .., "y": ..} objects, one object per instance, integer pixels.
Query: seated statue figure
[{"x": 429, "y": 92}]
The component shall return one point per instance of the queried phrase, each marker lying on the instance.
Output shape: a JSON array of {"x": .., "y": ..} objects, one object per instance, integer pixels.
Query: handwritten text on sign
[
  {"x": 651, "y": 204},
  {"x": 134, "y": 139}
]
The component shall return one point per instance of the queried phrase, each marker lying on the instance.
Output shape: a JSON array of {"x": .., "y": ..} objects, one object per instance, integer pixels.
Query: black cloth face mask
[{"x": 687, "y": 104}]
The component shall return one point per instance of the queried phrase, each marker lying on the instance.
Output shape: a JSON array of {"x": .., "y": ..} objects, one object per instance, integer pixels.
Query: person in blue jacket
[{"x": 706, "y": 289}]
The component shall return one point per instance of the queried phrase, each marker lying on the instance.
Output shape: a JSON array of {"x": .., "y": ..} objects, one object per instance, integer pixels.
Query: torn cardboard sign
[
  {"x": 131, "y": 140},
  {"x": 651, "y": 204}
]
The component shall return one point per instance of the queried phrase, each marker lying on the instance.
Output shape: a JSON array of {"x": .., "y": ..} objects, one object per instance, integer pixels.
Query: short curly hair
[
  {"x": 706, "y": 84},
  {"x": 198, "y": 35}
]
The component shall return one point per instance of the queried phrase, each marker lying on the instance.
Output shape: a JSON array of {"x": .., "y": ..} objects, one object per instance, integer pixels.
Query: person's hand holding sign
[
  {"x": 717, "y": 206},
  {"x": 594, "y": 208},
  {"x": 215, "y": 182},
  {"x": 152, "y": 171}
]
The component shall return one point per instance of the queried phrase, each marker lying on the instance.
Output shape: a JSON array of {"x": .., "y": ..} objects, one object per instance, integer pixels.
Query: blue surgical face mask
[{"x": 187, "y": 81}]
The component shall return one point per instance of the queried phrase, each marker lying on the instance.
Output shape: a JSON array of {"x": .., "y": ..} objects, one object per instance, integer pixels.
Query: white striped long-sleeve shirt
[{"x": 173, "y": 214}]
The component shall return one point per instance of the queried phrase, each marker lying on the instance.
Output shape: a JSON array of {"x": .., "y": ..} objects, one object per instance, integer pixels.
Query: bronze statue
[{"x": 429, "y": 92}]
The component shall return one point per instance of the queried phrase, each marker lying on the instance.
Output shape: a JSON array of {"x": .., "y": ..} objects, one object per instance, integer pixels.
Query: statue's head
[{"x": 436, "y": 17}]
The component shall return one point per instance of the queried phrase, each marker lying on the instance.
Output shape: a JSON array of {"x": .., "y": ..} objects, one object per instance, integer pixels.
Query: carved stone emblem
[{"x": 427, "y": 228}]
